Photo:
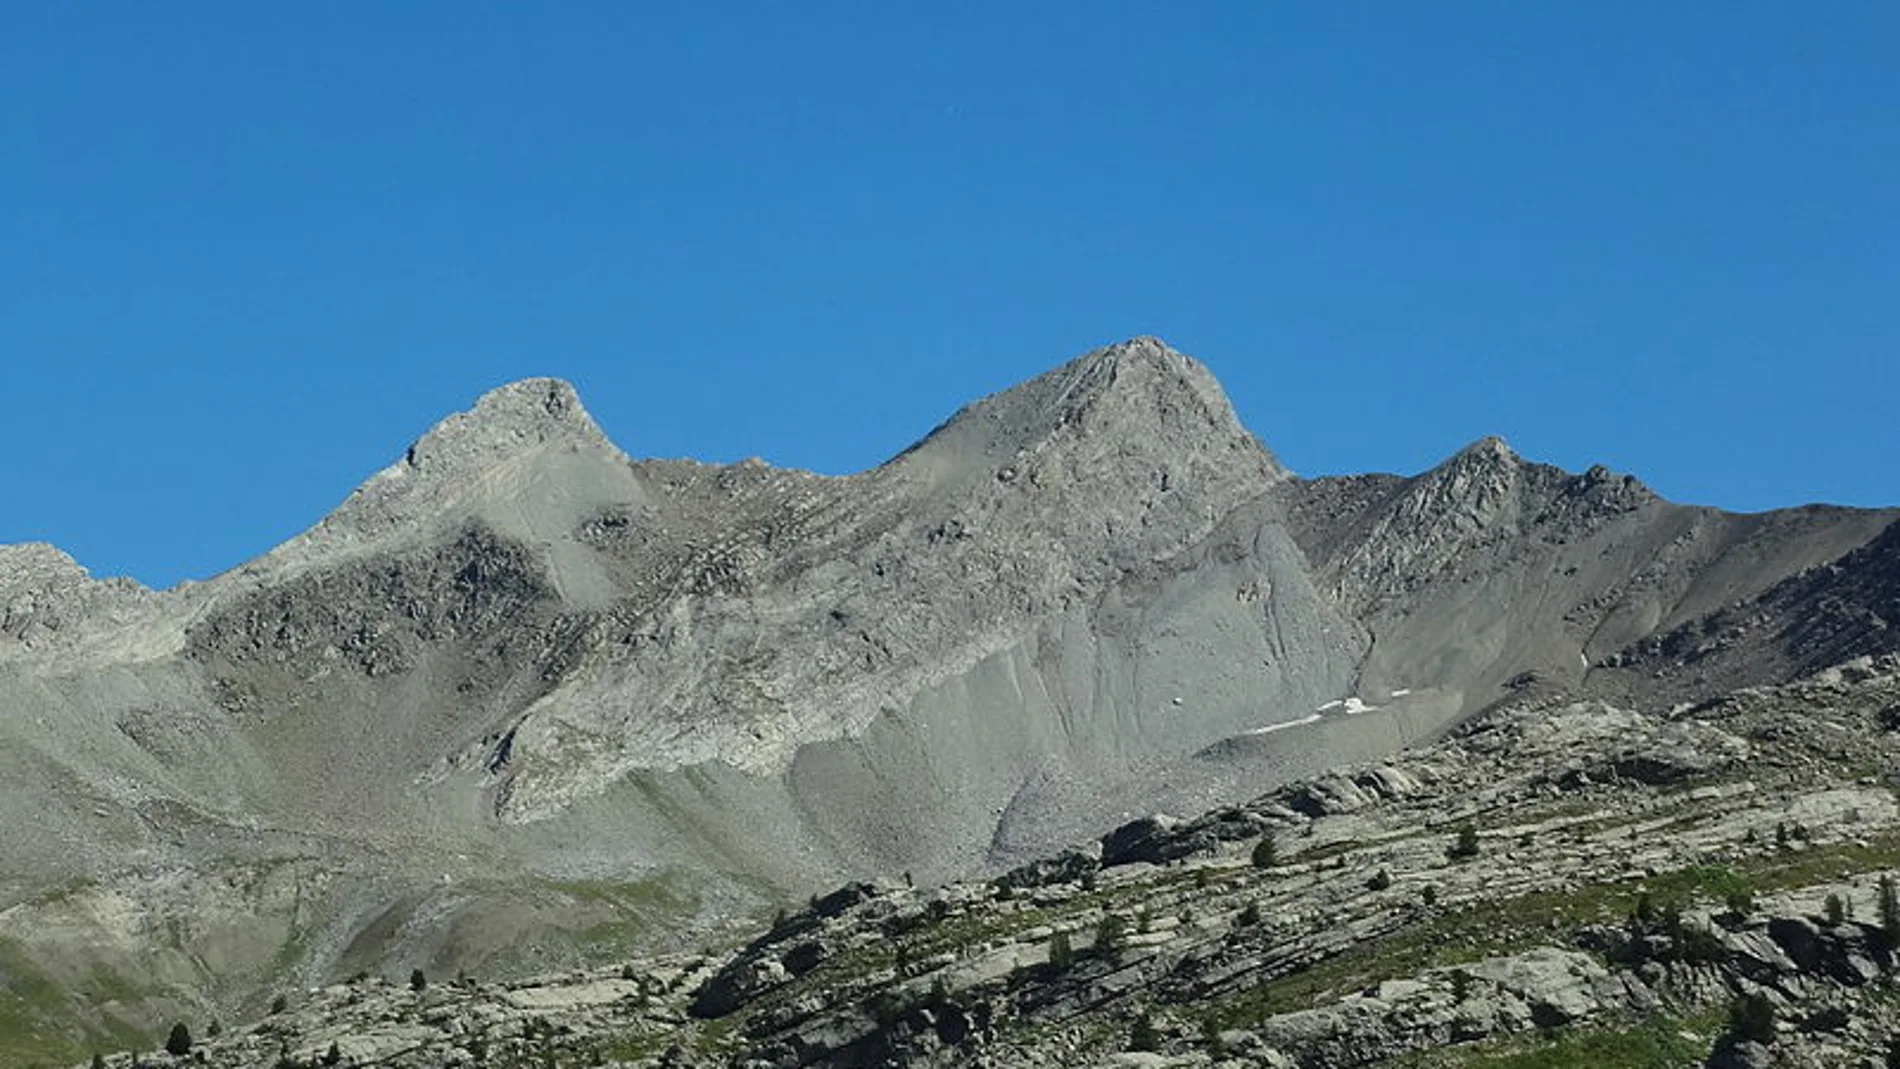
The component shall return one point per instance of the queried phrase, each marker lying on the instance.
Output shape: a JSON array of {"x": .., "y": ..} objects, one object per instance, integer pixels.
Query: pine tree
[
  {"x": 1752, "y": 1017},
  {"x": 1144, "y": 1036},
  {"x": 1266, "y": 852},
  {"x": 1111, "y": 935},
  {"x": 178, "y": 1044},
  {"x": 1061, "y": 951},
  {"x": 1466, "y": 844},
  {"x": 1889, "y": 911}
]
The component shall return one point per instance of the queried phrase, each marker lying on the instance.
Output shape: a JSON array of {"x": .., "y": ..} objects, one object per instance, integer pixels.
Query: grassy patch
[
  {"x": 1659, "y": 1043},
  {"x": 1528, "y": 920},
  {"x": 41, "y": 1022},
  {"x": 639, "y": 908},
  {"x": 1472, "y": 934}
]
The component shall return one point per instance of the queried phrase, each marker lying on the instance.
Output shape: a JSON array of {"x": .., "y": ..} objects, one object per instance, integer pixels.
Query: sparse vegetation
[
  {"x": 1061, "y": 951},
  {"x": 1752, "y": 1017},
  {"x": 1464, "y": 845},
  {"x": 1266, "y": 852},
  {"x": 1111, "y": 936},
  {"x": 1888, "y": 905},
  {"x": 1143, "y": 1036}
]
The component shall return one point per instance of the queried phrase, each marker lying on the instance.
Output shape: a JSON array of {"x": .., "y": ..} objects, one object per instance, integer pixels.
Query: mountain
[{"x": 522, "y": 700}]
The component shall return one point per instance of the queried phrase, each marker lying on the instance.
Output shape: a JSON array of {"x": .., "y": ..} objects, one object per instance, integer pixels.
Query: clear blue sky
[{"x": 249, "y": 251}]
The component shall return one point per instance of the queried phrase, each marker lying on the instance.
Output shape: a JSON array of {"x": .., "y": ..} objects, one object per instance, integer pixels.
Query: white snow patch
[{"x": 1310, "y": 718}]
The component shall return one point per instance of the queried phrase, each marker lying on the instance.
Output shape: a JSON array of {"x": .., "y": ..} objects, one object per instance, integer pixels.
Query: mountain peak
[
  {"x": 504, "y": 421},
  {"x": 1490, "y": 449},
  {"x": 449, "y": 469},
  {"x": 1141, "y": 390}
]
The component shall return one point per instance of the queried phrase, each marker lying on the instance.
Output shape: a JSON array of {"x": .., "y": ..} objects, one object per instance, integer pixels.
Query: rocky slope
[
  {"x": 523, "y": 701},
  {"x": 1556, "y": 880}
]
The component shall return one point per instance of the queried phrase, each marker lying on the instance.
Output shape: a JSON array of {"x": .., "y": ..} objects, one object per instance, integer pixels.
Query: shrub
[
  {"x": 1836, "y": 910},
  {"x": 1752, "y": 1017},
  {"x": 1465, "y": 844},
  {"x": 1266, "y": 852},
  {"x": 1111, "y": 935},
  {"x": 178, "y": 1043},
  {"x": 1249, "y": 916},
  {"x": 1143, "y": 1036},
  {"x": 417, "y": 981},
  {"x": 1381, "y": 880},
  {"x": 1061, "y": 951},
  {"x": 1889, "y": 911},
  {"x": 1429, "y": 895},
  {"x": 279, "y": 1004}
]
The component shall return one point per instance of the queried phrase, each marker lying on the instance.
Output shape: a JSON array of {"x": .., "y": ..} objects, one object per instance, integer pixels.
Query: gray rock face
[
  {"x": 517, "y": 664},
  {"x": 1589, "y": 908}
]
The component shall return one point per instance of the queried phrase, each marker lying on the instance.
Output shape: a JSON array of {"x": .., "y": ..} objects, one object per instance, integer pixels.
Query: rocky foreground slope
[
  {"x": 1557, "y": 882},
  {"x": 523, "y": 702}
]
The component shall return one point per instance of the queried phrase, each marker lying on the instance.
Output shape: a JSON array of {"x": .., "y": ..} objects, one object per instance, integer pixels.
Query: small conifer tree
[
  {"x": 1111, "y": 935},
  {"x": 1752, "y": 1017},
  {"x": 1465, "y": 845},
  {"x": 1266, "y": 852},
  {"x": 1144, "y": 1036},
  {"x": 178, "y": 1043},
  {"x": 1889, "y": 906},
  {"x": 1061, "y": 951}
]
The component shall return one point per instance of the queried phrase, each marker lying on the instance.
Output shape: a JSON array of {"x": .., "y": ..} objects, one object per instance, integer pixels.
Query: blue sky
[{"x": 252, "y": 250}]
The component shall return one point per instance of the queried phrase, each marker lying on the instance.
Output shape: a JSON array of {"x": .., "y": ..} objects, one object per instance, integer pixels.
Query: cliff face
[{"x": 517, "y": 662}]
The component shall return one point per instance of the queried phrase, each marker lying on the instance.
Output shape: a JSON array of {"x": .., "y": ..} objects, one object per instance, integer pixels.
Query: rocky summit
[{"x": 1082, "y": 732}]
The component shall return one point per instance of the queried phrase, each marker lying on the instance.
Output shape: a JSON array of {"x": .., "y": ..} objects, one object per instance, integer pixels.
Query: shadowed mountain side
[{"x": 1489, "y": 570}]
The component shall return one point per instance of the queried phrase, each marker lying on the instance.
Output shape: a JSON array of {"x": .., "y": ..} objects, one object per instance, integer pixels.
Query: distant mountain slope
[{"x": 518, "y": 671}]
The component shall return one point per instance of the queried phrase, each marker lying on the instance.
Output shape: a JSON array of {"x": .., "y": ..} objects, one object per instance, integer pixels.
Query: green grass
[
  {"x": 1472, "y": 934},
  {"x": 41, "y": 1021},
  {"x": 1659, "y": 1043},
  {"x": 638, "y": 908}
]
